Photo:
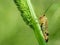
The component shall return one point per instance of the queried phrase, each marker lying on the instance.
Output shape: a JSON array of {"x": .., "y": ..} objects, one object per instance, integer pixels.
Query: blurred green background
[{"x": 14, "y": 31}]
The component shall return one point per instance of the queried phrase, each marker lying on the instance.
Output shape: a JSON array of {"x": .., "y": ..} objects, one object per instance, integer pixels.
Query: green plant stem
[{"x": 28, "y": 15}]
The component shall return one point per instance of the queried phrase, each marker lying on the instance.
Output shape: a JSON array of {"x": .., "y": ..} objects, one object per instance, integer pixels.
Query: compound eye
[{"x": 44, "y": 15}]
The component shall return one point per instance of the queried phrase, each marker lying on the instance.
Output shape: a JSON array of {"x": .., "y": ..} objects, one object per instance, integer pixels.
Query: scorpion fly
[{"x": 44, "y": 26}]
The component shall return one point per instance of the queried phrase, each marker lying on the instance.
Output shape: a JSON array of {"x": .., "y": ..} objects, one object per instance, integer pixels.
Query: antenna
[{"x": 49, "y": 7}]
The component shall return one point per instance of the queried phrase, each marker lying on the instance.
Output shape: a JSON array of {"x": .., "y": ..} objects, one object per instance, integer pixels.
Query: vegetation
[
  {"x": 14, "y": 31},
  {"x": 27, "y": 13}
]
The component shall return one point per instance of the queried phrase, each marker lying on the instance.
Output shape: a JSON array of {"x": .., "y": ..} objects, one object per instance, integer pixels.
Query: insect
[{"x": 44, "y": 26}]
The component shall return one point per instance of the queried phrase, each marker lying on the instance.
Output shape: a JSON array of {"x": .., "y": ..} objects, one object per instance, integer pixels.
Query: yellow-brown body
[{"x": 44, "y": 26}]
